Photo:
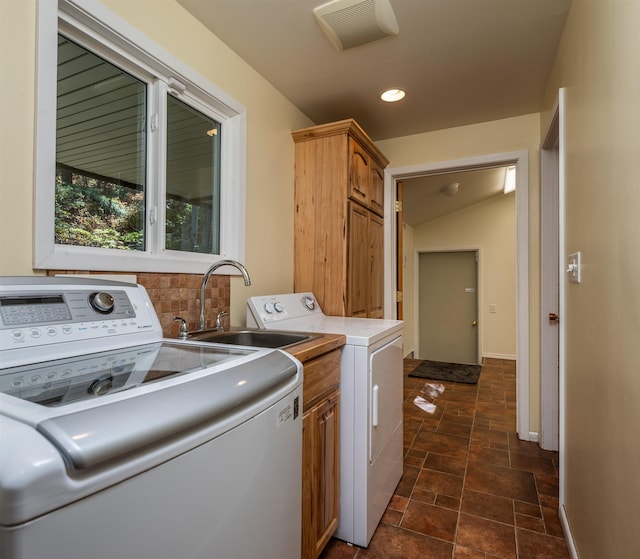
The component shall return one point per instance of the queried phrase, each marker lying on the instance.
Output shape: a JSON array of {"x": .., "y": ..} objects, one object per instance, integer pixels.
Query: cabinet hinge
[
  {"x": 398, "y": 296},
  {"x": 398, "y": 205}
]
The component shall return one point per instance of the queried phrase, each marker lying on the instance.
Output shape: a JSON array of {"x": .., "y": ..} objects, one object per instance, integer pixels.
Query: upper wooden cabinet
[
  {"x": 366, "y": 183},
  {"x": 339, "y": 209}
]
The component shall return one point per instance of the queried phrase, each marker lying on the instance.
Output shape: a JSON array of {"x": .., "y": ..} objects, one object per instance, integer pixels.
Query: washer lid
[
  {"x": 99, "y": 434},
  {"x": 123, "y": 404},
  {"x": 89, "y": 377}
]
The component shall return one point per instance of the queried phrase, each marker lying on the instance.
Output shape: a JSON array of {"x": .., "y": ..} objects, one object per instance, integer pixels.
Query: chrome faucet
[{"x": 205, "y": 279}]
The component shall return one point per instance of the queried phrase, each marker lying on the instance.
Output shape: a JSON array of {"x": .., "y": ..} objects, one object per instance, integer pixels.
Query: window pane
[
  {"x": 193, "y": 180},
  {"x": 100, "y": 152}
]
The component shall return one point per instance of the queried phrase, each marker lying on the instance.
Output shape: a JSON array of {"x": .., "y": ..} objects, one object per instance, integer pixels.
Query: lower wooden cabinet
[
  {"x": 320, "y": 453},
  {"x": 320, "y": 497}
]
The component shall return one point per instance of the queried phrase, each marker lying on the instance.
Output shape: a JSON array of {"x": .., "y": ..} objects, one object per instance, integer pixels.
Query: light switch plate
[{"x": 573, "y": 267}]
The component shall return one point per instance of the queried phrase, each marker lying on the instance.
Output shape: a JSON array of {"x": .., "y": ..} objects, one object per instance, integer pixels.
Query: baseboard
[
  {"x": 505, "y": 356},
  {"x": 499, "y": 356},
  {"x": 564, "y": 521},
  {"x": 531, "y": 436}
]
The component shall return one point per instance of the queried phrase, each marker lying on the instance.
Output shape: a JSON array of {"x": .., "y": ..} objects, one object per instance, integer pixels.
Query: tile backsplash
[{"x": 177, "y": 295}]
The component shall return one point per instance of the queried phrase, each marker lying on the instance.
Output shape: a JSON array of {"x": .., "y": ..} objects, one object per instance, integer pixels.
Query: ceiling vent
[{"x": 349, "y": 23}]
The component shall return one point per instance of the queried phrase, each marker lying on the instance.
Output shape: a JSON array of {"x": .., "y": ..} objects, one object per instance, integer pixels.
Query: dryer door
[{"x": 385, "y": 404}]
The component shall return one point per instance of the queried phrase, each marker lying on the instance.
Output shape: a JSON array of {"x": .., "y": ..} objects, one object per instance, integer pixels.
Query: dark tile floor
[{"x": 471, "y": 489}]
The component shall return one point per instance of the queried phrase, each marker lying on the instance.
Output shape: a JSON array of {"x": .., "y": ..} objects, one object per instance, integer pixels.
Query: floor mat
[{"x": 450, "y": 372}]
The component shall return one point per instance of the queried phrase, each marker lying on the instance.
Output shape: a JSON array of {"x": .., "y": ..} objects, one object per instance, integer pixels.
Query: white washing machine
[
  {"x": 116, "y": 443},
  {"x": 371, "y": 449}
]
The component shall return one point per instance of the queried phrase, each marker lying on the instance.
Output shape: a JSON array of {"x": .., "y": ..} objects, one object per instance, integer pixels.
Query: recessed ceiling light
[{"x": 392, "y": 95}]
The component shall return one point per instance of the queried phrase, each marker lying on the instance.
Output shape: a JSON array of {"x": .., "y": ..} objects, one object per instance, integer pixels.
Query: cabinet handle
[{"x": 374, "y": 406}]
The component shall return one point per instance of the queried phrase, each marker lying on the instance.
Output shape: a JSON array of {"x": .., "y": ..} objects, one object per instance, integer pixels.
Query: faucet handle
[
  {"x": 183, "y": 327},
  {"x": 218, "y": 325}
]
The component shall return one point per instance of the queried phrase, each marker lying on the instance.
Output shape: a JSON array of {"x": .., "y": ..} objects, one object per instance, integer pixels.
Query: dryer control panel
[{"x": 268, "y": 309}]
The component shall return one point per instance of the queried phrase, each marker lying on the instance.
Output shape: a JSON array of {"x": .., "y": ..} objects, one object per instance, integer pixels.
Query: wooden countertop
[{"x": 316, "y": 347}]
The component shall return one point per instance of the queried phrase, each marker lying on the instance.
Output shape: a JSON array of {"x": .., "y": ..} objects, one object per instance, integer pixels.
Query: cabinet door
[
  {"x": 308, "y": 484},
  {"x": 376, "y": 202},
  {"x": 359, "y": 173},
  {"x": 366, "y": 264},
  {"x": 328, "y": 444},
  {"x": 376, "y": 278},
  {"x": 359, "y": 265},
  {"x": 320, "y": 500}
]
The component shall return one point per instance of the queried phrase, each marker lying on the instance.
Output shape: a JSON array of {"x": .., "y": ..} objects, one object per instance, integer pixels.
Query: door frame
[
  {"x": 399, "y": 256},
  {"x": 552, "y": 366},
  {"x": 479, "y": 290},
  {"x": 551, "y": 263},
  {"x": 521, "y": 161}
]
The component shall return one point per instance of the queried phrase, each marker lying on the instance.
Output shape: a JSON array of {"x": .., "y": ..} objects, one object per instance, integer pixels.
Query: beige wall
[
  {"x": 599, "y": 65},
  {"x": 489, "y": 226},
  {"x": 512, "y": 134},
  {"x": 17, "y": 67},
  {"x": 270, "y": 117}
]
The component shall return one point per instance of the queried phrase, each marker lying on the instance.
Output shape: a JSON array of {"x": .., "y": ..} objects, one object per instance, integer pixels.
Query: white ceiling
[{"x": 460, "y": 61}]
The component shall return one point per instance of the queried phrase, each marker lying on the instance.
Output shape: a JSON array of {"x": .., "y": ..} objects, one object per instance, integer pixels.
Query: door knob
[
  {"x": 553, "y": 317},
  {"x": 474, "y": 323}
]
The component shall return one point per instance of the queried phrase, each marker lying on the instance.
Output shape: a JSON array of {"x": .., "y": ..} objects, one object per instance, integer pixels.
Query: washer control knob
[
  {"x": 102, "y": 302},
  {"x": 268, "y": 308},
  {"x": 309, "y": 302},
  {"x": 278, "y": 307},
  {"x": 101, "y": 386}
]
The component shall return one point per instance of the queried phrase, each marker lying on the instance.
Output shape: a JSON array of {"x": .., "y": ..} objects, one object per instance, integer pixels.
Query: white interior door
[
  {"x": 550, "y": 266},
  {"x": 448, "y": 306},
  {"x": 549, "y": 312}
]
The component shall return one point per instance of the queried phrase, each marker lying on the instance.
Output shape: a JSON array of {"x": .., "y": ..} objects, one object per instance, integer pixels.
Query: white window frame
[{"x": 103, "y": 32}]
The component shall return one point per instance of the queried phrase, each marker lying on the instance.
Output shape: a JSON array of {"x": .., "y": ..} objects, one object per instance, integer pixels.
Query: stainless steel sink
[{"x": 255, "y": 338}]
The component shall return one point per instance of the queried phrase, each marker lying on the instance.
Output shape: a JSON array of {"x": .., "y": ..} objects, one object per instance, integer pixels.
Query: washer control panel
[
  {"x": 52, "y": 313},
  {"x": 23, "y": 309}
]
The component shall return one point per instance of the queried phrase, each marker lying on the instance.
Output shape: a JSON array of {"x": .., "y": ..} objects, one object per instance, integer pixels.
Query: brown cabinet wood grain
[
  {"x": 339, "y": 207},
  {"x": 376, "y": 202},
  {"x": 320, "y": 452}
]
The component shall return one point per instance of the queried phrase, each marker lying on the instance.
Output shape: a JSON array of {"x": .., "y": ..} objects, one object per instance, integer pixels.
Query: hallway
[{"x": 471, "y": 489}]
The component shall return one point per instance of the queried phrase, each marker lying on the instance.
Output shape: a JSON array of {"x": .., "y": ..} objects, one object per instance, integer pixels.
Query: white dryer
[{"x": 371, "y": 441}]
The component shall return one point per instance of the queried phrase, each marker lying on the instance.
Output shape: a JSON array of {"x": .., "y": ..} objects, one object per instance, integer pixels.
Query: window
[
  {"x": 193, "y": 179},
  {"x": 140, "y": 161},
  {"x": 100, "y": 152}
]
